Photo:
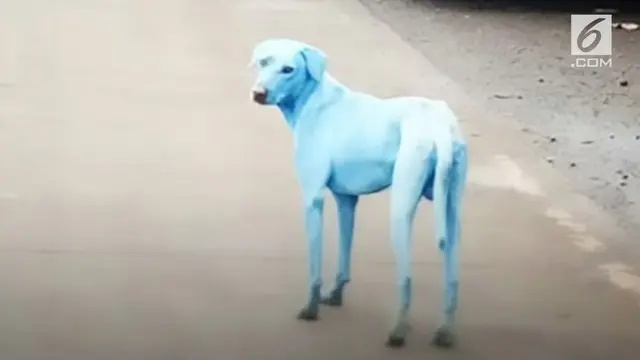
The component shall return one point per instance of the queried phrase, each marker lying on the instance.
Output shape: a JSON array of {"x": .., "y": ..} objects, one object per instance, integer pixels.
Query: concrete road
[{"x": 149, "y": 210}]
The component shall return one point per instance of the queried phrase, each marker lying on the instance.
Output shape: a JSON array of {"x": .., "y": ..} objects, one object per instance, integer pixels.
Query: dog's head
[{"x": 285, "y": 67}]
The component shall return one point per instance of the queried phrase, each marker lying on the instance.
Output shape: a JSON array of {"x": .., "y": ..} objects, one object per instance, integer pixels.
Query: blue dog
[{"x": 355, "y": 144}]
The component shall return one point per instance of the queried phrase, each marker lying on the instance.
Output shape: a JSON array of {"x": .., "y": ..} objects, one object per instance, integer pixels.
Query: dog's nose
[{"x": 259, "y": 95}]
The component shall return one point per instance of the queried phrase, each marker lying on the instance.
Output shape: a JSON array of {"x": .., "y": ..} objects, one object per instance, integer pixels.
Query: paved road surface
[{"x": 149, "y": 211}]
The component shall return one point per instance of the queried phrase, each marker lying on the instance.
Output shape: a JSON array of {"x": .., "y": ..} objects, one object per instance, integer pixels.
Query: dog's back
[{"x": 353, "y": 115}]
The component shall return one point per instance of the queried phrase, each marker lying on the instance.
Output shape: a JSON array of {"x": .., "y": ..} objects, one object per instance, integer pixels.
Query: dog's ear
[
  {"x": 316, "y": 61},
  {"x": 254, "y": 59},
  {"x": 257, "y": 54}
]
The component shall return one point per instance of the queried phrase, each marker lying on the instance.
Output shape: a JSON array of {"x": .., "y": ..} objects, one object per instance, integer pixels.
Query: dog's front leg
[
  {"x": 314, "y": 214},
  {"x": 346, "y": 218},
  {"x": 313, "y": 171}
]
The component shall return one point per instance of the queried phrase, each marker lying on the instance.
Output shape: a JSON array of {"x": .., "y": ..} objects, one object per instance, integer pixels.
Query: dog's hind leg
[
  {"x": 410, "y": 174},
  {"x": 445, "y": 335},
  {"x": 346, "y": 205}
]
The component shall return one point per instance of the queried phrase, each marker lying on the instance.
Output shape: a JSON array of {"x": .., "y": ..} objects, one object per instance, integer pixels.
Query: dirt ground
[{"x": 516, "y": 58}]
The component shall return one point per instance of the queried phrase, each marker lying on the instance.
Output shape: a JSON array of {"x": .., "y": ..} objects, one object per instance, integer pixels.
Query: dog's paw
[
  {"x": 308, "y": 314},
  {"x": 444, "y": 337},
  {"x": 398, "y": 335},
  {"x": 334, "y": 299},
  {"x": 395, "y": 342}
]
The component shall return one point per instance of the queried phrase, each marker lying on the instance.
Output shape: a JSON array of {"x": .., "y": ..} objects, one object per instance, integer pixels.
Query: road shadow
[
  {"x": 489, "y": 11},
  {"x": 626, "y": 8}
]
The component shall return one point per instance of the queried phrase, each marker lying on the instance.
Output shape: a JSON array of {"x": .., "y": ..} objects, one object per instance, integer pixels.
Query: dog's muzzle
[{"x": 259, "y": 95}]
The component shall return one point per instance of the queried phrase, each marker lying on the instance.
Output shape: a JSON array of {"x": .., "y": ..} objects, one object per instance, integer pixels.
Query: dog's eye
[{"x": 286, "y": 70}]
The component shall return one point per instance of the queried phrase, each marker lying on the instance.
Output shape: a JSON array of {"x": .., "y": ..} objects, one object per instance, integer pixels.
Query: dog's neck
[{"x": 314, "y": 94}]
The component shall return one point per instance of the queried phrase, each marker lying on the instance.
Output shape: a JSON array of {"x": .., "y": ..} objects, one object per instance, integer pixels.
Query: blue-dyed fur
[{"x": 353, "y": 144}]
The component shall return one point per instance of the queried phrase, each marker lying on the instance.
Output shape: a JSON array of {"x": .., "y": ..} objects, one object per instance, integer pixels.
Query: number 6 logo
[
  {"x": 591, "y": 35},
  {"x": 586, "y": 32}
]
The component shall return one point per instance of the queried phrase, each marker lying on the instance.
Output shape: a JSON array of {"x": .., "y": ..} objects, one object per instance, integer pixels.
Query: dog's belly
[
  {"x": 361, "y": 177},
  {"x": 368, "y": 177}
]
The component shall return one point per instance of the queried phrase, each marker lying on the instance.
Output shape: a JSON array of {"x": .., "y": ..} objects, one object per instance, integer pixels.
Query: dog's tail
[
  {"x": 444, "y": 151},
  {"x": 446, "y": 180}
]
